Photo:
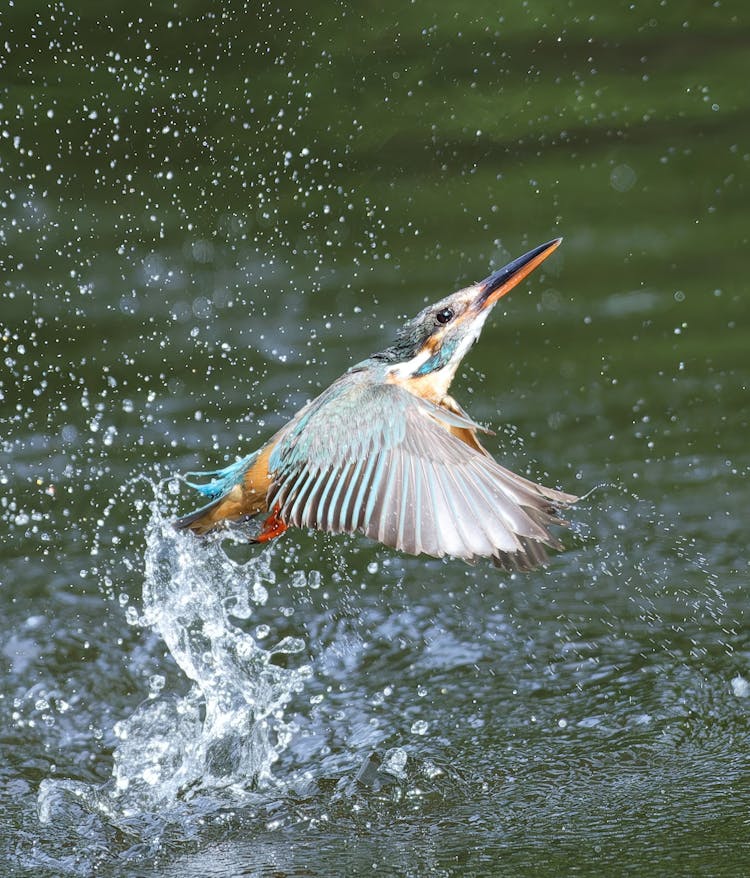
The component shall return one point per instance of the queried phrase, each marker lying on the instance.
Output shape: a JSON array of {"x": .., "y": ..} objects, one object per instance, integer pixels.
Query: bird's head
[{"x": 429, "y": 348}]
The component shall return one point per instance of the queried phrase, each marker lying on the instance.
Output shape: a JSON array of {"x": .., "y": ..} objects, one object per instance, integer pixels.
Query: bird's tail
[
  {"x": 204, "y": 519},
  {"x": 225, "y": 490}
]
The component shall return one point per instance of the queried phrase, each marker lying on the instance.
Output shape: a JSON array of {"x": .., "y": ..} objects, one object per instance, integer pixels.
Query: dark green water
[{"x": 210, "y": 211}]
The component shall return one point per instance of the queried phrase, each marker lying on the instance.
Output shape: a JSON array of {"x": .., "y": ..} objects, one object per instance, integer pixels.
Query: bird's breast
[{"x": 432, "y": 386}]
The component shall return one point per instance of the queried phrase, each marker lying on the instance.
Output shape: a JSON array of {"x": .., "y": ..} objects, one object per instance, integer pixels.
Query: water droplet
[
  {"x": 622, "y": 178},
  {"x": 394, "y": 761},
  {"x": 156, "y": 683},
  {"x": 298, "y": 579}
]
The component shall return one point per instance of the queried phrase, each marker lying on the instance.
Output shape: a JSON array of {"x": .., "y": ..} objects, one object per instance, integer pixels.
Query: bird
[{"x": 386, "y": 452}]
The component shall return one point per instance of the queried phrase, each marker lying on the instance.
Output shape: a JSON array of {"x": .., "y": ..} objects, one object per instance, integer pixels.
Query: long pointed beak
[{"x": 502, "y": 281}]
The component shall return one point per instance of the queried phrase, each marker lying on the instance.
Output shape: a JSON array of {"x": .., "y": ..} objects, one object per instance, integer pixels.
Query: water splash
[{"x": 222, "y": 738}]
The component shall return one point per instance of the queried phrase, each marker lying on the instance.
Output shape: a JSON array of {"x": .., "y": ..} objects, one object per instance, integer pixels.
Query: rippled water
[{"x": 206, "y": 217}]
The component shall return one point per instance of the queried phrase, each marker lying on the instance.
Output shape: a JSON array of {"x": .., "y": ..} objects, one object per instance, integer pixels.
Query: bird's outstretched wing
[{"x": 391, "y": 466}]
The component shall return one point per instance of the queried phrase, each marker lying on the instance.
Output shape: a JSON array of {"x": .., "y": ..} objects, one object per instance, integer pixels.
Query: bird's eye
[{"x": 444, "y": 316}]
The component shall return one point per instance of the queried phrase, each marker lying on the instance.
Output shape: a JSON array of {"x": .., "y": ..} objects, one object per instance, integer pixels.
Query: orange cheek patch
[{"x": 433, "y": 343}]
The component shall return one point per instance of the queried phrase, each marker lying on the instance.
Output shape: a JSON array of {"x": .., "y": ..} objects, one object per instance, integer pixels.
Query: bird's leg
[{"x": 273, "y": 527}]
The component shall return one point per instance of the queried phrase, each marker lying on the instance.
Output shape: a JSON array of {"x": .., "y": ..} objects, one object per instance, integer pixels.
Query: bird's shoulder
[
  {"x": 362, "y": 412},
  {"x": 357, "y": 410}
]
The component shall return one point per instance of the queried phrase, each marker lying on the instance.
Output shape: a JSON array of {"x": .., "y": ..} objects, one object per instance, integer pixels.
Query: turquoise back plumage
[
  {"x": 354, "y": 416},
  {"x": 222, "y": 480}
]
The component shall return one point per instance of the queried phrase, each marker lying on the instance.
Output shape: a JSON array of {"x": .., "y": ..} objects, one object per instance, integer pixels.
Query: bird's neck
[
  {"x": 429, "y": 373},
  {"x": 420, "y": 376}
]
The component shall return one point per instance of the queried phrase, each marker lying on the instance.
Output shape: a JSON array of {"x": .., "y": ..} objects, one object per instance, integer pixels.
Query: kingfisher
[{"x": 385, "y": 451}]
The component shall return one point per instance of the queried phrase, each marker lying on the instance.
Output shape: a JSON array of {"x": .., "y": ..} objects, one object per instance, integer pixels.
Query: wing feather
[
  {"x": 300, "y": 496},
  {"x": 400, "y": 470},
  {"x": 289, "y": 488},
  {"x": 476, "y": 517},
  {"x": 320, "y": 489},
  {"x": 452, "y": 514},
  {"x": 363, "y": 491},
  {"x": 334, "y": 479},
  {"x": 334, "y": 506},
  {"x": 404, "y": 542},
  {"x": 344, "y": 511},
  {"x": 387, "y": 515},
  {"x": 429, "y": 514}
]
